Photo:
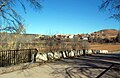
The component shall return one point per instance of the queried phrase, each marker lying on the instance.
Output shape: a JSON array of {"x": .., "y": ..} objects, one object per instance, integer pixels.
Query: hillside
[
  {"x": 106, "y": 33},
  {"x": 111, "y": 32}
]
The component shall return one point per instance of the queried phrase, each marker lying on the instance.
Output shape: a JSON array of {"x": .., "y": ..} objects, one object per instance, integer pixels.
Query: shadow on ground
[{"x": 93, "y": 66}]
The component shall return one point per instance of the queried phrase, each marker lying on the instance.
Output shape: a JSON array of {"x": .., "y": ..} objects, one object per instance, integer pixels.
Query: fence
[{"x": 13, "y": 57}]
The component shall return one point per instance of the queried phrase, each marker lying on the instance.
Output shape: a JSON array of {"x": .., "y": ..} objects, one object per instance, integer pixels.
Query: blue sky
[{"x": 68, "y": 17}]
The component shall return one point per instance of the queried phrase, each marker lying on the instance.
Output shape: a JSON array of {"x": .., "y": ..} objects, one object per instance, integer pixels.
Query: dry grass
[{"x": 110, "y": 47}]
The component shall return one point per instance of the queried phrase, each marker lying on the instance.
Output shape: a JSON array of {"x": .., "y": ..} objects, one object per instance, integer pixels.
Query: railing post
[
  {"x": 14, "y": 57},
  {"x": 2, "y": 59},
  {"x": 29, "y": 55},
  {"x": 34, "y": 56}
]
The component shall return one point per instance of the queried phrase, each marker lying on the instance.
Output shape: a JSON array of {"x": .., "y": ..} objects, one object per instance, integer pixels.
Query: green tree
[{"x": 10, "y": 19}]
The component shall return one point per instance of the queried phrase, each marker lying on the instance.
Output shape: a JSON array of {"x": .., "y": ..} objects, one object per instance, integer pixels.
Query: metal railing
[{"x": 13, "y": 57}]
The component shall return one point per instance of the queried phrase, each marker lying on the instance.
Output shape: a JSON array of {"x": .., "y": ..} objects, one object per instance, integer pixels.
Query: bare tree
[
  {"x": 118, "y": 37},
  {"x": 84, "y": 46},
  {"x": 113, "y": 6},
  {"x": 10, "y": 19},
  {"x": 74, "y": 42}
]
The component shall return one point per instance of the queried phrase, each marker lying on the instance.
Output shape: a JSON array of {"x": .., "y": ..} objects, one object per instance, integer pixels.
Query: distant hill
[
  {"x": 105, "y": 33},
  {"x": 111, "y": 32}
]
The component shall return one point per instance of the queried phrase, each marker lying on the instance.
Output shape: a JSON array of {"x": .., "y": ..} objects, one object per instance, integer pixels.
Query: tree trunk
[{"x": 83, "y": 52}]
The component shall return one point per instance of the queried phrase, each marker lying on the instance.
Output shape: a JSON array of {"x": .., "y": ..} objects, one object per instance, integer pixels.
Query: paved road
[{"x": 80, "y": 67}]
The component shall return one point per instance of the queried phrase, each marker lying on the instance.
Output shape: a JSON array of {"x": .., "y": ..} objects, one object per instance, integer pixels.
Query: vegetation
[
  {"x": 11, "y": 20},
  {"x": 45, "y": 43},
  {"x": 113, "y": 6},
  {"x": 118, "y": 36}
]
